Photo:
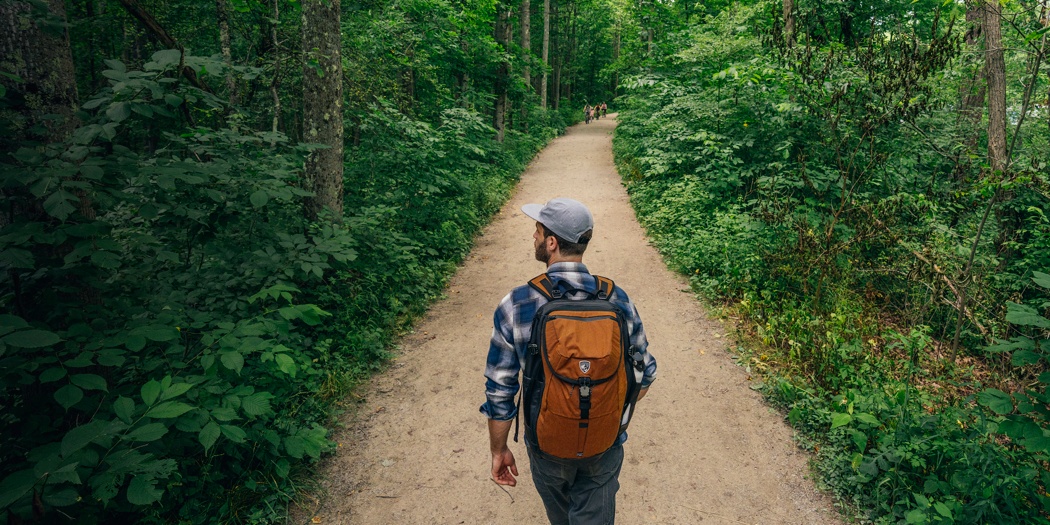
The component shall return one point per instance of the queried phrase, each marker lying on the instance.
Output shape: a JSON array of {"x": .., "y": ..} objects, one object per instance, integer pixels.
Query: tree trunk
[
  {"x": 526, "y": 48},
  {"x": 276, "y": 81},
  {"x": 545, "y": 51},
  {"x": 556, "y": 84},
  {"x": 35, "y": 48},
  {"x": 323, "y": 107},
  {"x": 615, "y": 59},
  {"x": 995, "y": 73},
  {"x": 502, "y": 35},
  {"x": 526, "y": 39},
  {"x": 570, "y": 55},
  {"x": 971, "y": 96},
  {"x": 41, "y": 58},
  {"x": 789, "y": 23},
  {"x": 464, "y": 77},
  {"x": 222, "y": 11}
]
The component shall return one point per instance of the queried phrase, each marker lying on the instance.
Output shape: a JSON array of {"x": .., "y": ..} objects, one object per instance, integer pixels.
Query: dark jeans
[{"x": 580, "y": 491}]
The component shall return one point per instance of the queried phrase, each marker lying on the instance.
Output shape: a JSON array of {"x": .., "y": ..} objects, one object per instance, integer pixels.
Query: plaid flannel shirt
[{"x": 512, "y": 327}]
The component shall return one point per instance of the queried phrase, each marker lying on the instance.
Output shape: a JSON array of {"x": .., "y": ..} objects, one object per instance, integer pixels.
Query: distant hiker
[
  {"x": 587, "y": 111},
  {"x": 579, "y": 338}
]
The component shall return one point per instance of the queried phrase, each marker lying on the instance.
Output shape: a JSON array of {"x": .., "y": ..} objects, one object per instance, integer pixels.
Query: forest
[{"x": 219, "y": 216}]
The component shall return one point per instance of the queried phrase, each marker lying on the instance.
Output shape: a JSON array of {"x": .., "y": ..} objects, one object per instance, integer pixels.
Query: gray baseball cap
[{"x": 567, "y": 218}]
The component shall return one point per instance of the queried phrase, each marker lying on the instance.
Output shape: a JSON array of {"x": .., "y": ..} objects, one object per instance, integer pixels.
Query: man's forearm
[{"x": 498, "y": 432}]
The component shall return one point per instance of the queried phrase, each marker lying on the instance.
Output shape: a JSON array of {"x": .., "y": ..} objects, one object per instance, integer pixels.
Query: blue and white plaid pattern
[{"x": 512, "y": 326}]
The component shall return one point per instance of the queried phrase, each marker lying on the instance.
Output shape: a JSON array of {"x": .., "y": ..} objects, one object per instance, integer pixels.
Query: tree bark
[
  {"x": 222, "y": 11},
  {"x": 323, "y": 107},
  {"x": 502, "y": 35},
  {"x": 789, "y": 23},
  {"x": 44, "y": 97},
  {"x": 43, "y": 61},
  {"x": 526, "y": 39},
  {"x": 971, "y": 96},
  {"x": 545, "y": 51},
  {"x": 276, "y": 81},
  {"x": 995, "y": 74},
  {"x": 615, "y": 59}
]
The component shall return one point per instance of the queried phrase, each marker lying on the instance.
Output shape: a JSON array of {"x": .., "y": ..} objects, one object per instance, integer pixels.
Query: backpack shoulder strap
[
  {"x": 605, "y": 286},
  {"x": 541, "y": 283}
]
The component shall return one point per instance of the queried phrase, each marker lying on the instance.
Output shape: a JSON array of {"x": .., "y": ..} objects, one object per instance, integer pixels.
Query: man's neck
[{"x": 556, "y": 258}]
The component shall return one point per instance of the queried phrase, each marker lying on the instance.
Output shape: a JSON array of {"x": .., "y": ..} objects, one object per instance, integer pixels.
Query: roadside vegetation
[
  {"x": 216, "y": 219},
  {"x": 863, "y": 189}
]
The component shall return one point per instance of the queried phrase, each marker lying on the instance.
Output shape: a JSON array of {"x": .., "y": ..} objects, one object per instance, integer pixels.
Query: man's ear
[{"x": 552, "y": 243}]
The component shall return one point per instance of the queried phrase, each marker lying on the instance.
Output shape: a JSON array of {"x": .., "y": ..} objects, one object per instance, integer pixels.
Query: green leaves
[
  {"x": 1024, "y": 315},
  {"x": 209, "y": 435},
  {"x": 68, "y": 396},
  {"x": 259, "y": 198},
  {"x": 840, "y": 419},
  {"x": 148, "y": 432},
  {"x": 286, "y": 364},
  {"x": 1000, "y": 402},
  {"x": 31, "y": 339},
  {"x": 89, "y": 382},
  {"x": 79, "y": 437},
  {"x": 124, "y": 408},
  {"x": 257, "y": 404},
  {"x": 118, "y": 111},
  {"x": 150, "y": 392},
  {"x": 143, "y": 491},
  {"x": 233, "y": 361},
  {"x": 15, "y": 486},
  {"x": 168, "y": 409}
]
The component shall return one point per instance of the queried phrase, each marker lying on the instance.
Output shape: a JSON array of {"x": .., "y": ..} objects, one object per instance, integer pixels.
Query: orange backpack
[{"x": 581, "y": 375}]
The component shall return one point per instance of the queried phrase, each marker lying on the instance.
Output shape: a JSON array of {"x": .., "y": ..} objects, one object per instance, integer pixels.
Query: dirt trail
[{"x": 703, "y": 446}]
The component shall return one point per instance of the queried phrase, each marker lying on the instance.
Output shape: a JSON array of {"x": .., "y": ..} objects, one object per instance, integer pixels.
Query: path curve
[{"x": 704, "y": 447}]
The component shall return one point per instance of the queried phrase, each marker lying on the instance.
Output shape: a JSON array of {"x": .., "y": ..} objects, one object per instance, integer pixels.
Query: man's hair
[{"x": 569, "y": 248}]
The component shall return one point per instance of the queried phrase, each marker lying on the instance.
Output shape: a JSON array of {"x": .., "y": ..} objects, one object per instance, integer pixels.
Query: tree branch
[{"x": 140, "y": 14}]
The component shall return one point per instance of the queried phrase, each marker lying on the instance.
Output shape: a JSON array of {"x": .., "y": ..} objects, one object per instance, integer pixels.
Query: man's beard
[{"x": 542, "y": 255}]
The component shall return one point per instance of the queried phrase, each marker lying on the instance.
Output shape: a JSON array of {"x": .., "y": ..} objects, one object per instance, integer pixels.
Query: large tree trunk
[
  {"x": 546, "y": 51},
  {"x": 502, "y": 35},
  {"x": 995, "y": 73},
  {"x": 789, "y": 23},
  {"x": 222, "y": 12},
  {"x": 323, "y": 106},
  {"x": 41, "y": 58},
  {"x": 35, "y": 50}
]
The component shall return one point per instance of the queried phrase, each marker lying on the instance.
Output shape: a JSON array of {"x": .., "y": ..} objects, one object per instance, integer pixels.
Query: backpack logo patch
[{"x": 585, "y": 366}]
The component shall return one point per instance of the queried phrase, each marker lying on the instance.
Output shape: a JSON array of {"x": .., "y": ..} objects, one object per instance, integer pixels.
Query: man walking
[{"x": 574, "y": 491}]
